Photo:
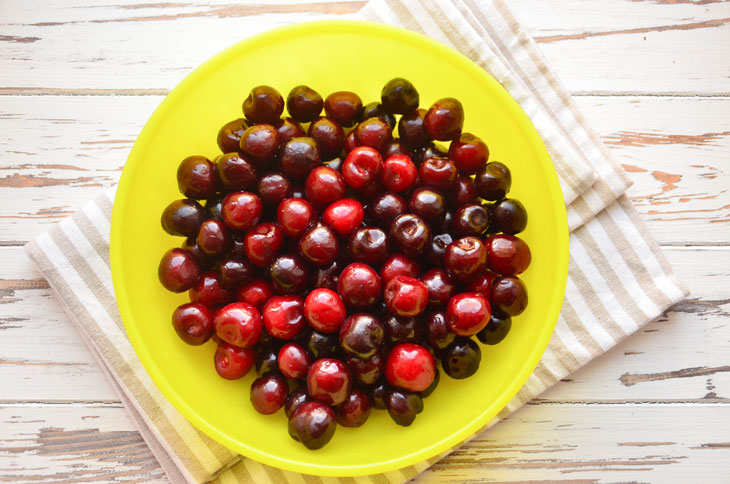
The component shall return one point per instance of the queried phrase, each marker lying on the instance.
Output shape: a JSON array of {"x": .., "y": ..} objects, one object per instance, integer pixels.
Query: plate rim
[{"x": 123, "y": 304}]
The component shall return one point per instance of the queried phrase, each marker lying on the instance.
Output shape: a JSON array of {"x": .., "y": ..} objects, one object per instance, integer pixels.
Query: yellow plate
[{"x": 329, "y": 56}]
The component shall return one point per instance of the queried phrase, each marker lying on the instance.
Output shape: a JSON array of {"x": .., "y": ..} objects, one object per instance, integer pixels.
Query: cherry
[
  {"x": 385, "y": 208},
  {"x": 289, "y": 274},
  {"x": 329, "y": 136},
  {"x": 284, "y": 316},
  {"x": 376, "y": 110},
  {"x": 359, "y": 286},
  {"x": 183, "y": 218},
  {"x": 395, "y": 148},
  {"x": 293, "y": 361},
  {"x": 323, "y": 186},
  {"x": 344, "y": 216},
  {"x": 298, "y": 156},
  {"x": 444, "y": 119},
  {"x": 439, "y": 243},
  {"x": 440, "y": 173},
  {"x": 264, "y": 104},
  {"x": 427, "y": 204},
  {"x": 319, "y": 245},
  {"x": 212, "y": 237},
  {"x": 399, "y": 265},
  {"x": 410, "y": 367},
  {"x": 238, "y": 324},
  {"x": 193, "y": 322},
  {"x": 320, "y": 345},
  {"x": 379, "y": 394},
  {"x": 373, "y": 132},
  {"x": 368, "y": 245},
  {"x": 430, "y": 389},
  {"x": 496, "y": 330},
  {"x": 509, "y": 295},
  {"x": 297, "y": 397},
  {"x": 324, "y": 310},
  {"x": 241, "y": 210},
  {"x": 294, "y": 216},
  {"x": 508, "y": 254},
  {"x": 255, "y": 293},
  {"x": 468, "y": 313},
  {"x": 399, "y": 96},
  {"x": 267, "y": 358},
  {"x": 399, "y": 173},
  {"x": 232, "y": 362},
  {"x": 461, "y": 358},
  {"x": 440, "y": 287},
  {"x": 465, "y": 258},
  {"x": 355, "y": 410},
  {"x": 329, "y": 381},
  {"x": 362, "y": 167},
  {"x": 469, "y": 153},
  {"x": 210, "y": 292},
  {"x": 493, "y": 181},
  {"x": 350, "y": 142},
  {"x": 235, "y": 271},
  {"x": 399, "y": 329},
  {"x": 178, "y": 270},
  {"x": 361, "y": 335},
  {"x": 367, "y": 372},
  {"x": 412, "y": 129},
  {"x": 438, "y": 334},
  {"x": 214, "y": 207},
  {"x": 430, "y": 150},
  {"x": 263, "y": 243},
  {"x": 470, "y": 219},
  {"x": 230, "y": 133},
  {"x": 288, "y": 128},
  {"x": 304, "y": 104},
  {"x": 403, "y": 406},
  {"x": 345, "y": 107},
  {"x": 411, "y": 234},
  {"x": 235, "y": 171},
  {"x": 327, "y": 277},
  {"x": 509, "y": 216},
  {"x": 269, "y": 393},
  {"x": 462, "y": 193},
  {"x": 406, "y": 296},
  {"x": 482, "y": 284},
  {"x": 197, "y": 178},
  {"x": 259, "y": 143},
  {"x": 313, "y": 424}
]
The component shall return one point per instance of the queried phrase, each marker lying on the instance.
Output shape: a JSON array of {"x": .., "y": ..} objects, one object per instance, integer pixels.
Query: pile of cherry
[{"x": 345, "y": 262}]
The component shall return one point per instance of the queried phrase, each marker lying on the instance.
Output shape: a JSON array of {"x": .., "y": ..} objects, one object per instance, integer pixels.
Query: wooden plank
[{"x": 675, "y": 149}]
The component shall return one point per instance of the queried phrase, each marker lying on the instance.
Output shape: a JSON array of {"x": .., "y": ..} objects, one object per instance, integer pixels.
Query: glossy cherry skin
[
  {"x": 328, "y": 135},
  {"x": 267, "y": 358},
  {"x": 440, "y": 287},
  {"x": 385, "y": 208},
  {"x": 289, "y": 274},
  {"x": 283, "y": 316},
  {"x": 255, "y": 293},
  {"x": 304, "y": 104},
  {"x": 210, "y": 292},
  {"x": 361, "y": 335},
  {"x": 319, "y": 245},
  {"x": 235, "y": 171},
  {"x": 508, "y": 254},
  {"x": 509, "y": 295},
  {"x": 293, "y": 361},
  {"x": 313, "y": 424},
  {"x": 345, "y": 107},
  {"x": 431, "y": 150},
  {"x": 362, "y": 167},
  {"x": 412, "y": 129},
  {"x": 368, "y": 245},
  {"x": 373, "y": 132},
  {"x": 264, "y": 104},
  {"x": 406, "y": 296},
  {"x": 212, "y": 237},
  {"x": 465, "y": 258},
  {"x": 428, "y": 204},
  {"x": 183, "y": 218},
  {"x": 463, "y": 192},
  {"x": 178, "y": 270},
  {"x": 410, "y": 367},
  {"x": 469, "y": 153},
  {"x": 367, "y": 372},
  {"x": 494, "y": 181},
  {"x": 350, "y": 142},
  {"x": 359, "y": 286},
  {"x": 399, "y": 265},
  {"x": 444, "y": 119},
  {"x": 197, "y": 178},
  {"x": 319, "y": 345},
  {"x": 471, "y": 219},
  {"x": 399, "y": 96},
  {"x": 235, "y": 271},
  {"x": 329, "y": 381},
  {"x": 272, "y": 188},
  {"x": 411, "y": 234},
  {"x": 230, "y": 133},
  {"x": 327, "y": 277},
  {"x": 376, "y": 110},
  {"x": 355, "y": 410},
  {"x": 399, "y": 173},
  {"x": 496, "y": 330},
  {"x": 241, "y": 210},
  {"x": 238, "y": 324},
  {"x": 439, "y": 243},
  {"x": 259, "y": 143},
  {"x": 232, "y": 362},
  {"x": 344, "y": 216},
  {"x": 437, "y": 331},
  {"x": 403, "y": 406},
  {"x": 294, "y": 216},
  {"x": 288, "y": 128},
  {"x": 482, "y": 283},
  {"x": 399, "y": 329},
  {"x": 323, "y": 186},
  {"x": 193, "y": 322},
  {"x": 430, "y": 389},
  {"x": 204, "y": 260},
  {"x": 437, "y": 172},
  {"x": 297, "y": 397},
  {"x": 468, "y": 313},
  {"x": 299, "y": 156},
  {"x": 324, "y": 310},
  {"x": 269, "y": 393},
  {"x": 395, "y": 148},
  {"x": 508, "y": 215},
  {"x": 461, "y": 358}
]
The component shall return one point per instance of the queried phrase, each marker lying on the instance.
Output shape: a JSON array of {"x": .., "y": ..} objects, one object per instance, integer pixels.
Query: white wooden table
[{"x": 78, "y": 81}]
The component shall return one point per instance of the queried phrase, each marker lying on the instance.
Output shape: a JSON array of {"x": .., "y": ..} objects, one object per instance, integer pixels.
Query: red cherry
[
  {"x": 362, "y": 167},
  {"x": 263, "y": 243},
  {"x": 293, "y": 361},
  {"x": 283, "y": 316},
  {"x": 468, "y": 313},
  {"x": 210, "y": 292},
  {"x": 508, "y": 254},
  {"x": 405, "y": 296},
  {"x": 329, "y": 381},
  {"x": 324, "y": 310},
  {"x": 359, "y": 286},
  {"x": 294, "y": 215},
  {"x": 241, "y": 210},
  {"x": 323, "y": 186},
  {"x": 399, "y": 265},
  {"x": 232, "y": 362},
  {"x": 238, "y": 324},
  {"x": 399, "y": 173},
  {"x": 469, "y": 153},
  {"x": 344, "y": 216},
  {"x": 193, "y": 322},
  {"x": 255, "y": 293},
  {"x": 410, "y": 367},
  {"x": 268, "y": 393}
]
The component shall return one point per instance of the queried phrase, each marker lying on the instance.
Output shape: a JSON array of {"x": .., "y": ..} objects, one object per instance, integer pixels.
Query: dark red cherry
[
  {"x": 299, "y": 156},
  {"x": 327, "y": 277},
  {"x": 496, "y": 330},
  {"x": 268, "y": 393},
  {"x": 400, "y": 329},
  {"x": 212, "y": 237},
  {"x": 259, "y": 143},
  {"x": 431, "y": 150},
  {"x": 319, "y": 245},
  {"x": 509, "y": 295},
  {"x": 440, "y": 287},
  {"x": 438, "y": 334},
  {"x": 462, "y": 193},
  {"x": 272, "y": 188},
  {"x": 267, "y": 357},
  {"x": 440, "y": 173},
  {"x": 264, "y": 104},
  {"x": 461, "y": 358},
  {"x": 368, "y": 245},
  {"x": 183, "y": 218},
  {"x": 193, "y": 322},
  {"x": 320, "y": 345},
  {"x": 412, "y": 129},
  {"x": 361, "y": 335},
  {"x": 329, "y": 381},
  {"x": 289, "y": 274},
  {"x": 304, "y": 104},
  {"x": 469, "y": 153},
  {"x": 444, "y": 119},
  {"x": 329, "y": 136},
  {"x": 399, "y": 265},
  {"x": 355, "y": 410},
  {"x": 235, "y": 271},
  {"x": 376, "y": 110},
  {"x": 367, "y": 372},
  {"x": 439, "y": 243},
  {"x": 471, "y": 219},
  {"x": 313, "y": 424},
  {"x": 494, "y": 181},
  {"x": 465, "y": 258},
  {"x": 323, "y": 186},
  {"x": 232, "y": 362},
  {"x": 403, "y": 406},
  {"x": 197, "y": 177},
  {"x": 411, "y": 234},
  {"x": 230, "y": 133},
  {"x": 350, "y": 142},
  {"x": 399, "y": 96},
  {"x": 508, "y": 215},
  {"x": 283, "y": 316},
  {"x": 508, "y": 254},
  {"x": 297, "y": 397},
  {"x": 236, "y": 172},
  {"x": 395, "y": 148},
  {"x": 373, "y": 132},
  {"x": 210, "y": 292},
  {"x": 345, "y": 107},
  {"x": 288, "y": 128},
  {"x": 178, "y": 270},
  {"x": 482, "y": 283},
  {"x": 359, "y": 286},
  {"x": 428, "y": 204},
  {"x": 385, "y": 208}
]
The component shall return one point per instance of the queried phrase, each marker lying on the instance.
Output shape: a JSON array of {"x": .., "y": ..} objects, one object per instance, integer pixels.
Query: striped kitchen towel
[{"x": 618, "y": 279}]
